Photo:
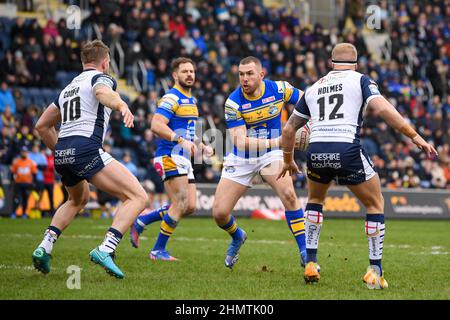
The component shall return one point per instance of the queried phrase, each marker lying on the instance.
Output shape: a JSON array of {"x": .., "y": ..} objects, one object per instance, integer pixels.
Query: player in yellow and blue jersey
[
  {"x": 253, "y": 117},
  {"x": 174, "y": 123}
]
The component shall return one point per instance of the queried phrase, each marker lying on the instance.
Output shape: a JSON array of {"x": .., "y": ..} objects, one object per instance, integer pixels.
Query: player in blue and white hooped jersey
[
  {"x": 83, "y": 109},
  {"x": 253, "y": 118},
  {"x": 336, "y": 104},
  {"x": 174, "y": 123}
]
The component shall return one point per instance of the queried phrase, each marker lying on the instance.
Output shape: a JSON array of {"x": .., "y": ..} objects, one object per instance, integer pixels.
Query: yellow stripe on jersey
[
  {"x": 263, "y": 114},
  {"x": 187, "y": 110},
  {"x": 168, "y": 164},
  {"x": 232, "y": 114},
  {"x": 288, "y": 94},
  {"x": 262, "y": 106}
]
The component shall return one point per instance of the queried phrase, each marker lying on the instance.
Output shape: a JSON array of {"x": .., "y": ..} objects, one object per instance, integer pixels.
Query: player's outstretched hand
[
  {"x": 128, "y": 118},
  {"x": 424, "y": 146},
  {"x": 288, "y": 167}
]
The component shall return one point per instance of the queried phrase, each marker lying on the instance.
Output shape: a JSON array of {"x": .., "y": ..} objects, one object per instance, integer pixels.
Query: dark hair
[
  {"x": 176, "y": 63},
  {"x": 94, "y": 52},
  {"x": 250, "y": 59}
]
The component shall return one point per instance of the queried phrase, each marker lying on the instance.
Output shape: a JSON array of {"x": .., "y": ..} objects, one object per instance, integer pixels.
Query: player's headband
[{"x": 344, "y": 62}]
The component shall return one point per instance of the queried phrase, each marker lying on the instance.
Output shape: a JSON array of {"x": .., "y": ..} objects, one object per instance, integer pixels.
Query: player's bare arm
[
  {"x": 288, "y": 141},
  {"x": 46, "y": 126},
  {"x": 242, "y": 142},
  {"x": 112, "y": 100},
  {"x": 159, "y": 126},
  {"x": 382, "y": 108}
]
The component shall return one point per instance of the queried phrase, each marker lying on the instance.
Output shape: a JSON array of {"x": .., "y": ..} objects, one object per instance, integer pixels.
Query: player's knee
[
  {"x": 289, "y": 198},
  {"x": 190, "y": 209},
  {"x": 82, "y": 201},
  {"x": 219, "y": 212},
  {"x": 141, "y": 198},
  {"x": 374, "y": 203}
]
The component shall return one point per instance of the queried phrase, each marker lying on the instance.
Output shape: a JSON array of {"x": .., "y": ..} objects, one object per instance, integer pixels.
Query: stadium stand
[{"x": 38, "y": 56}]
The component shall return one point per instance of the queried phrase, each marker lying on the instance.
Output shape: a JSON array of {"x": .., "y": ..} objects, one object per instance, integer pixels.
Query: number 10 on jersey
[{"x": 71, "y": 110}]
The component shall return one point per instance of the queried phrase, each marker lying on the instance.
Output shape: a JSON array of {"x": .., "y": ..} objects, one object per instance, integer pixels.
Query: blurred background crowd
[{"x": 38, "y": 60}]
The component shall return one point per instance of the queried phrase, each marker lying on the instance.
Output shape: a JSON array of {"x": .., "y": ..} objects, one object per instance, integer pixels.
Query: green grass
[{"x": 416, "y": 262}]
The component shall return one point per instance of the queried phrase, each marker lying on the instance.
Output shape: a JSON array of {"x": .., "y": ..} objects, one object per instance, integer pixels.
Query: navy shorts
[
  {"x": 79, "y": 158},
  {"x": 347, "y": 163}
]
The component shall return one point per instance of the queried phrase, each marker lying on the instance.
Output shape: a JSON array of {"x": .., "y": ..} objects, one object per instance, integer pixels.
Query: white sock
[
  {"x": 110, "y": 243},
  {"x": 50, "y": 238},
  {"x": 375, "y": 237},
  {"x": 313, "y": 224}
]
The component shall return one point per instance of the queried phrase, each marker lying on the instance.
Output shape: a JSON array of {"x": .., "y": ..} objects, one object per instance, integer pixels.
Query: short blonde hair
[
  {"x": 94, "y": 52},
  {"x": 344, "y": 52}
]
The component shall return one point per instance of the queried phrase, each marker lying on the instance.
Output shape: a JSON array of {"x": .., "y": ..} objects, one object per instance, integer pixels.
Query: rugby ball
[{"x": 302, "y": 137}]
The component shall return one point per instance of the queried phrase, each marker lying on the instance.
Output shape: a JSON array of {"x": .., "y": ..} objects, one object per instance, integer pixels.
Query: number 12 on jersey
[{"x": 337, "y": 99}]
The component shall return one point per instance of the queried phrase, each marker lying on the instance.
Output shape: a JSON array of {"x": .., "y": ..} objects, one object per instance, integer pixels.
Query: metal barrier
[{"x": 139, "y": 66}]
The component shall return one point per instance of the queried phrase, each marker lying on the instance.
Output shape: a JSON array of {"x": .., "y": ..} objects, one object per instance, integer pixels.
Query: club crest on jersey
[
  {"x": 246, "y": 106},
  {"x": 273, "y": 110},
  {"x": 269, "y": 99}
]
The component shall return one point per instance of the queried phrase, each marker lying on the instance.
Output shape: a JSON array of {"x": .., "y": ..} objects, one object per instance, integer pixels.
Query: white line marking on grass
[
  {"x": 433, "y": 253},
  {"x": 72, "y": 236},
  {"x": 434, "y": 250}
]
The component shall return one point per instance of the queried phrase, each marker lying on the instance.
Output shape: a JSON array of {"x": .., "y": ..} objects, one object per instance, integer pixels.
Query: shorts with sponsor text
[
  {"x": 347, "y": 163},
  {"x": 79, "y": 158}
]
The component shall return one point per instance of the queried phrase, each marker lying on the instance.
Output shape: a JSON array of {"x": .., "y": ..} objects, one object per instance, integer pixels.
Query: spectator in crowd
[
  {"x": 38, "y": 157},
  {"x": 126, "y": 161},
  {"x": 6, "y": 98},
  {"x": 23, "y": 170}
]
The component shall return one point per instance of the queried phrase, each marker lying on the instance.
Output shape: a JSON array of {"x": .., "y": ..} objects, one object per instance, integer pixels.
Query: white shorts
[
  {"x": 243, "y": 170},
  {"x": 171, "y": 166}
]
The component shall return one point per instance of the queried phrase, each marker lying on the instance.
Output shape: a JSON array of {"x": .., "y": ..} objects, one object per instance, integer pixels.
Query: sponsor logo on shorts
[
  {"x": 65, "y": 156},
  {"x": 91, "y": 165},
  {"x": 326, "y": 160},
  {"x": 312, "y": 174},
  {"x": 230, "y": 169}
]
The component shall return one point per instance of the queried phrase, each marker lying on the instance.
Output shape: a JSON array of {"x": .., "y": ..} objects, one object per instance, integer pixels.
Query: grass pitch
[{"x": 416, "y": 261}]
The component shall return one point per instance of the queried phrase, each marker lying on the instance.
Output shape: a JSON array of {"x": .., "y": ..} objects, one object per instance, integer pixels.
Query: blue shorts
[
  {"x": 347, "y": 163},
  {"x": 79, "y": 158}
]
